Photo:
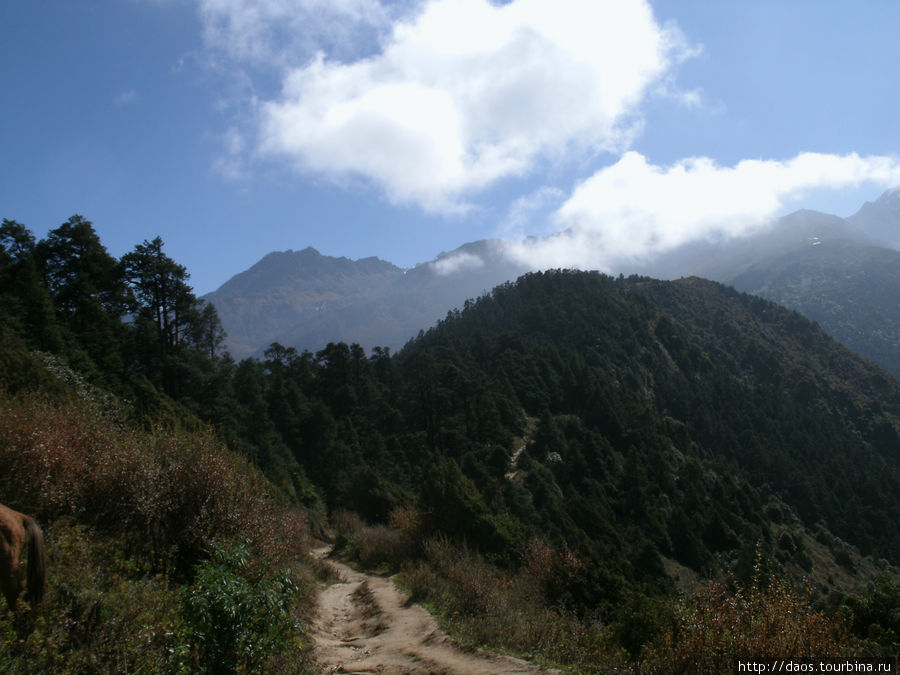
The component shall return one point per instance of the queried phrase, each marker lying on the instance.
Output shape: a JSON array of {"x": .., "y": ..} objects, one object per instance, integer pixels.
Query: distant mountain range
[
  {"x": 842, "y": 273},
  {"x": 293, "y": 290},
  {"x": 305, "y": 299}
]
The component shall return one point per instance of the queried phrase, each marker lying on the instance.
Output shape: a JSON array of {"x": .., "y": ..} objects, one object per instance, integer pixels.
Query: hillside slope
[
  {"x": 657, "y": 373},
  {"x": 818, "y": 264},
  {"x": 665, "y": 425},
  {"x": 838, "y": 272}
]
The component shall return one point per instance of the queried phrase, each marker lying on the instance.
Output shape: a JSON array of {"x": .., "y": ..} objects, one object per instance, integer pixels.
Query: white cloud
[
  {"x": 468, "y": 92},
  {"x": 634, "y": 209},
  {"x": 456, "y": 263},
  {"x": 230, "y": 164}
]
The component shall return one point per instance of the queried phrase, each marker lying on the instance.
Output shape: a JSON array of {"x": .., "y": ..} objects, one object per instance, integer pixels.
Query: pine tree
[{"x": 88, "y": 291}]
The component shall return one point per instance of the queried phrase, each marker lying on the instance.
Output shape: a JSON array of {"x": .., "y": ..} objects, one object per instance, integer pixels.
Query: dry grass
[
  {"x": 715, "y": 628},
  {"x": 372, "y": 546},
  {"x": 705, "y": 632},
  {"x": 127, "y": 515}
]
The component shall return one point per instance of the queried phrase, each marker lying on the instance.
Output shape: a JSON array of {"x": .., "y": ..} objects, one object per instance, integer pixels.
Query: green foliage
[
  {"x": 235, "y": 624},
  {"x": 25, "y": 304},
  {"x": 25, "y": 371},
  {"x": 176, "y": 336},
  {"x": 875, "y": 617},
  {"x": 89, "y": 295},
  {"x": 450, "y": 505},
  {"x": 128, "y": 516}
]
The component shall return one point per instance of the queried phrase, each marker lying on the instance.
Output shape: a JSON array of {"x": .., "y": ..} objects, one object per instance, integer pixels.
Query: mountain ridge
[
  {"x": 834, "y": 270},
  {"x": 310, "y": 299},
  {"x": 286, "y": 288}
]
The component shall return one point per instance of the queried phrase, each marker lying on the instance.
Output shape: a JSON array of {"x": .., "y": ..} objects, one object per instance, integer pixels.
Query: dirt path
[{"x": 366, "y": 625}]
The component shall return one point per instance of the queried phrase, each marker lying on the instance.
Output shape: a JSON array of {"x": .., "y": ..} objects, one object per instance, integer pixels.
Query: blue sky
[{"x": 403, "y": 129}]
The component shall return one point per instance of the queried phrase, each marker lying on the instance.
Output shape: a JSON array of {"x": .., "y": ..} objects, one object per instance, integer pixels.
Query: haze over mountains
[
  {"x": 881, "y": 218},
  {"x": 842, "y": 273}
]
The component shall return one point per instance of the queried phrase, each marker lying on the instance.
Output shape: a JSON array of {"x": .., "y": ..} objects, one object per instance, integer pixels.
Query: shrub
[
  {"x": 237, "y": 624},
  {"x": 168, "y": 493},
  {"x": 715, "y": 628},
  {"x": 379, "y": 545},
  {"x": 374, "y": 546},
  {"x": 481, "y": 605},
  {"x": 876, "y": 618},
  {"x": 345, "y": 525},
  {"x": 129, "y": 514}
]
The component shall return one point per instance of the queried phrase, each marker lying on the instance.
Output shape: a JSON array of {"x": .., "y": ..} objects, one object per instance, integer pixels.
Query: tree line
[{"x": 122, "y": 322}]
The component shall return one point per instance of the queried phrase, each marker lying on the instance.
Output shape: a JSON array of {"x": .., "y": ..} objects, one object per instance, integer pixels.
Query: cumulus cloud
[
  {"x": 635, "y": 209},
  {"x": 468, "y": 92}
]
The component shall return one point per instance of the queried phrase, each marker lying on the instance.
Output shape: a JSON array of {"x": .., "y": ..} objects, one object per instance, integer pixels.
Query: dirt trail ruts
[{"x": 381, "y": 632}]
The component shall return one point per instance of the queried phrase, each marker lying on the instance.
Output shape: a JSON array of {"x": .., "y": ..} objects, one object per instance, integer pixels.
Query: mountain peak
[
  {"x": 889, "y": 198},
  {"x": 891, "y": 195},
  {"x": 881, "y": 218}
]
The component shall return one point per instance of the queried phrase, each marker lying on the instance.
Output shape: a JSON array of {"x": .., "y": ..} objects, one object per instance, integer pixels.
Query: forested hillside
[
  {"x": 838, "y": 272},
  {"x": 823, "y": 266},
  {"x": 573, "y": 446}
]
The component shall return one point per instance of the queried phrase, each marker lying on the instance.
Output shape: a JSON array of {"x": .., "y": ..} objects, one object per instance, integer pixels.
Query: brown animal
[{"x": 17, "y": 532}]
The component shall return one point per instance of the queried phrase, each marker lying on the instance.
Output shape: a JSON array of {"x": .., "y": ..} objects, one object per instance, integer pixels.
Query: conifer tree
[
  {"x": 25, "y": 305},
  {"x": 89, "y": 293}
]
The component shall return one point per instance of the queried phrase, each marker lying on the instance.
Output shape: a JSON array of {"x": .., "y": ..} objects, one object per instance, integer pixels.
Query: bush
[
  {"x": 450, "y": 504},
  {"x": 480, "y": 605},
  {"x": 875, "y": 618},
  {"x": 167, "y": 493},
  {"x": 374, "y": 546},
  {"x": 715, "y": 628},
  {"x": 130, "y": 514},
  {"x": 237, "y": 624}
]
